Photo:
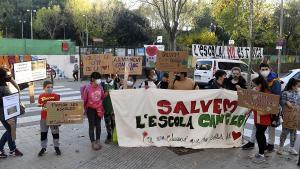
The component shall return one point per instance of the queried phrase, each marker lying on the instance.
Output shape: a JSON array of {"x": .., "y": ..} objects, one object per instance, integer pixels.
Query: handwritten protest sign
[
  {"x": 66, "y": 112},
  {"x": 101, "y": 63},
  {"x": 262, "y": 102},
  {"x": 225, "y": 52},
  {"x": 172, "y": 61},
  {"x": 291, "y": 118},
  {"x": 30, "y": 71},
  {"x": 134, "y": 65}
]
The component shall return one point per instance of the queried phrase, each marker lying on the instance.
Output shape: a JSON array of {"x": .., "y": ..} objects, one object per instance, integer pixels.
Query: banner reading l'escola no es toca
[{"x": 190, "y": 119}]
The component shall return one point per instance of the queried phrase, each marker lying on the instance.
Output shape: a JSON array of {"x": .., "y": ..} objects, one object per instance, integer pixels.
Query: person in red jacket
[
  {"x": 262, "y": 121},
  {"x": 48, "y": 95}
]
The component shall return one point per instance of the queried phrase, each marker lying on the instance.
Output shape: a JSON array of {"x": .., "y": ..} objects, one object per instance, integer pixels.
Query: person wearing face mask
[
  {"x": 93, "y": 96},
  {"x": 261, "y": 120},
  {"x": 109, "y": 113},
  {"x": 48, "y": 95},
  {"x": 164, "y": 83},
  {"x": 235, "y": 80},
  {"x": 182, "y": 82},
  {"x": 290, "y": 98},
  {"x": 151, "y": 81},
  {"x": 7, "y": 136},
  {"x": 275, "y": 88},
  {"x": 219, "y": 81},
  {"x": 131, "y": 81}
]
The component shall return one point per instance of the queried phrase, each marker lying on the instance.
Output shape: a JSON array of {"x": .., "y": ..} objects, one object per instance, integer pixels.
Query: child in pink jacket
[{"x": 93, "y": 96}]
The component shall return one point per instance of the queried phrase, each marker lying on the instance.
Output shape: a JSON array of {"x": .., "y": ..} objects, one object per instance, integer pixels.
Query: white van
[{"x": 205, "y": 69}]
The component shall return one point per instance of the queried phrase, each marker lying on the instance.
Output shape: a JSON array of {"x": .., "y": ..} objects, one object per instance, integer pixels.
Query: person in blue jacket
[{"x": 275, "y": 88}]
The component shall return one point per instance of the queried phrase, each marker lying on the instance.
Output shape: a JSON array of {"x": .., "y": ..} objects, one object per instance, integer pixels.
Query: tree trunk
[{"x": 172, "y": 42}]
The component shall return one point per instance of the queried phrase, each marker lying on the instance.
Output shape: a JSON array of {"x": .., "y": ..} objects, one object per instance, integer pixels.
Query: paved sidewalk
[{"x": 77, "y": 153}]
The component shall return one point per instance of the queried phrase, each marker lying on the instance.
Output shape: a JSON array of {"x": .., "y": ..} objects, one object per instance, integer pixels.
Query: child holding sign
[
  {"x": 290, "y": 98},
  {"x": 48, "y": 95}
]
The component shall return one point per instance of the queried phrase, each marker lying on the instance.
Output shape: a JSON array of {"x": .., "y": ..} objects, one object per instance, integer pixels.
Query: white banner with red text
[
  {"x": 190, "y": 119},
  {"x": 225, "y": 52}
]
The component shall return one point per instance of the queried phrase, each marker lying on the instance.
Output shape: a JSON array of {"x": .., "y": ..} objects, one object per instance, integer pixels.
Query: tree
[
  {"x": 233, "y": 17},
  {"x": 291, "y": 23},
  {"x": 131, "y": 29},
  {"x": 48, "y": 20},
  {"x": 170, "y": 12}
]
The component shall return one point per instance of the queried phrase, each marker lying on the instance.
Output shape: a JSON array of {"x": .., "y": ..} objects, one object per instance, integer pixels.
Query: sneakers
[
  {"x": 2, "y": 154},
  {"x": 280, "y": 151},
  {"x": 42, "y": 152},
  {"x": 292, "y": 151},
  {"x": 270, "y": 148},
  {"x": 96, "y": 146},
  {"x": 248, "y": 146},
  {"x": 258, "y": 159},
  {"x": 57, "y": 150},
  {"x": 16, "y": 153}
]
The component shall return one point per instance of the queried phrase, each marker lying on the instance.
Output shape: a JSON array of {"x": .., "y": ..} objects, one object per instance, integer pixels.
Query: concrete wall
[{"x": 61, "y": 64}]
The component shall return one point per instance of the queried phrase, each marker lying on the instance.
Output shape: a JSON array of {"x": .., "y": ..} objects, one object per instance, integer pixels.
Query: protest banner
[
  {"x": 151, "y": 54},
  {"x": 172, "y": 61},
  {"x": 190, "y": 119},
  {"x": 64, "y": 112},
  {"x": 30, "y": 71},
  {"x": 11, "y": 106},
  {"x": 263, "y": 103},
  {"x": 291, "y": 118},
  {"x": 225, "y": 52},
  {"x": 135, "y": 65},
  {"x": 101, "y": 63}
]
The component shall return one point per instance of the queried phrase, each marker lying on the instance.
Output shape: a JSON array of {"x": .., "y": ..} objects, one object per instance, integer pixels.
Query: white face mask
[
  {"x": 129, "y": 83},
  {"x": 109, "y": 79},
  {"x": 98, "y": 81},
  {"x": 154, "y": 77},
  {"x": 265, "y": 73}
]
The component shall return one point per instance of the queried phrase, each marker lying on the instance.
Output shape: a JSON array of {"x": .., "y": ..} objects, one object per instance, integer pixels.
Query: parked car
[
  {"x": 295, "y": 73},
  {"x": 205, "y": 69}
]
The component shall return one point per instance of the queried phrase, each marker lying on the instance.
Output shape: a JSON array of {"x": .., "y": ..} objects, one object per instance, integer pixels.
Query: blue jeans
[{"x": 6, "y": 137}]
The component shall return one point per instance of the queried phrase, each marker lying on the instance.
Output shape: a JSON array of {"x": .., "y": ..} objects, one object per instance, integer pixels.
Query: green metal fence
[{"x": 35, "y": 47}]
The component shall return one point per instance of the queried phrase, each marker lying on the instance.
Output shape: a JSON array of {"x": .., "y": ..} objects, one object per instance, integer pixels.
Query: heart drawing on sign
[
  {"x": 236, "y": 135},
  {"x": 151, "y": 50}
]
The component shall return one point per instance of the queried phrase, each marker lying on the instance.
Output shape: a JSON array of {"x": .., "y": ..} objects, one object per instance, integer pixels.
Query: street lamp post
[
  {"x": 31, "y": 13},
  {"x": 250, "y": 43},
  {"x": 22, "y": 23},
  {"x": 65, "y": 31},
  {"x": 86, "y": 29},
  {"x": 280, "y": 36}
]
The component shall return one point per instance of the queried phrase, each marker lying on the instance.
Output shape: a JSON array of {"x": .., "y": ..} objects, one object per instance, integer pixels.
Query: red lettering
[
  {"x": 204, "y": 106},
  {"x": 164, "y": 104},
  {"x": 217, "y": 107},
  {"x": 180, "y": 107},
  {"x": 193, "y": 107},
  {"x": 228, "y": 104}
]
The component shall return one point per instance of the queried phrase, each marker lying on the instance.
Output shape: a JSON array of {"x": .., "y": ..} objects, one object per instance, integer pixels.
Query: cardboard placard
[
  {"x": 135, "y": 65},
  {"x": 101, "y": 63},
  {"x": 30, "y": 71},
  {"x": 172, "y": 61},
  {"x": 64, "y": 112},
  {"x": 291, "y": 118},
  {"x": 263, "y": 103}
]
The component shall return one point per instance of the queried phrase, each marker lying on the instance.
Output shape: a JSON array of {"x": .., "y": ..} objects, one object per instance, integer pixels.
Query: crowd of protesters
[{"x": 97, "y": 104}]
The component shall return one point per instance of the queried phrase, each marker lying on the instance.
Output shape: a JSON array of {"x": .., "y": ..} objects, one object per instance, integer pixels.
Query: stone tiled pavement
[{"x": 77, "y": 154}]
